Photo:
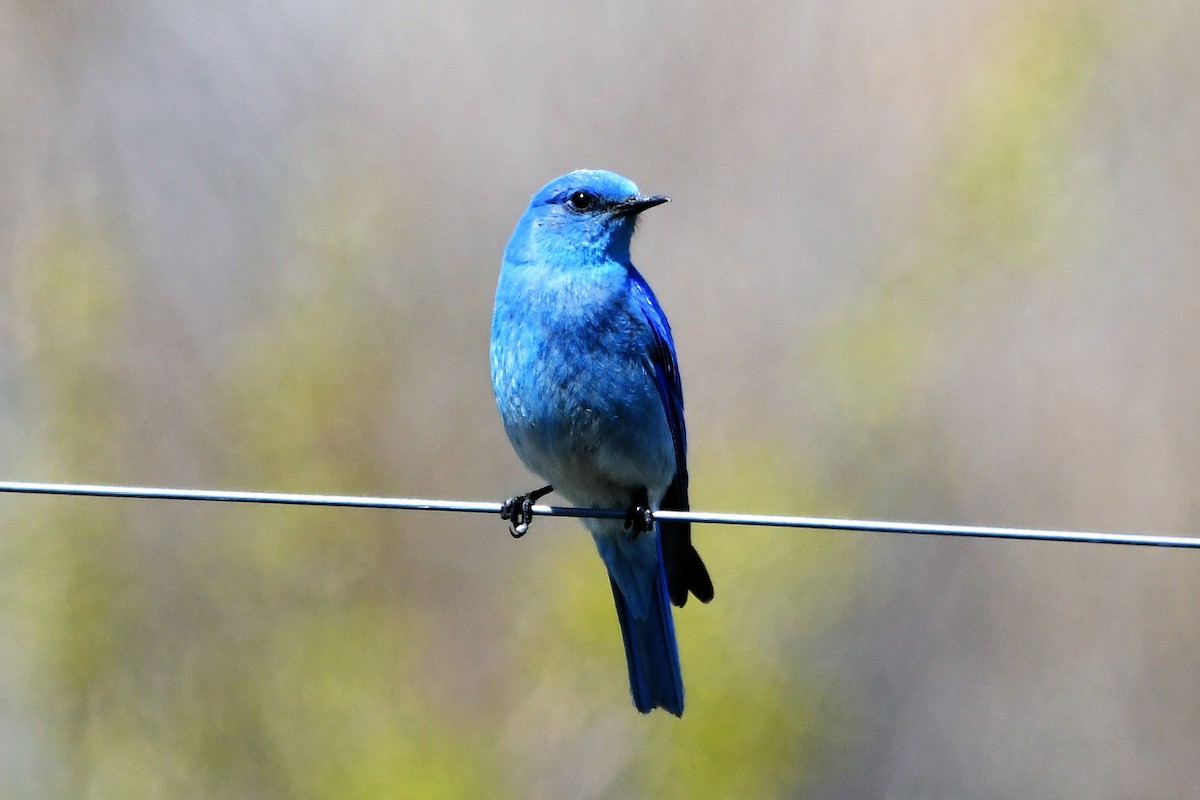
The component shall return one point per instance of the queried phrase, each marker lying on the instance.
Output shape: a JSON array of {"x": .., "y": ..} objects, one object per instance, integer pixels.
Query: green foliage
[
  {"x": 339, "y": 701},
  {"x": 71, "y": 301},
  {"x": 755, "y": 723},
  {"x": 998, "y": 204},
  {"x": 68, "y": 606},
  {"x": 278, "y": 654}
]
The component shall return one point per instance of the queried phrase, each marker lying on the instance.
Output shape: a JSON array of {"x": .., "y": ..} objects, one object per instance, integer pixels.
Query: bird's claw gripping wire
[
  {"x": 519, "y": 510},
  {"x": 639, "y": 517}
]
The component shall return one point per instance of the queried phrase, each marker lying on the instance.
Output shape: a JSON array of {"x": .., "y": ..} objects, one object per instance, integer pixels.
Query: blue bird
[{"x": 587, "y": 383}]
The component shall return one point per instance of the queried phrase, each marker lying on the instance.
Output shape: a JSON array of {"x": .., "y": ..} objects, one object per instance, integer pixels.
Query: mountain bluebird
[{"x": 584, "y": 369}]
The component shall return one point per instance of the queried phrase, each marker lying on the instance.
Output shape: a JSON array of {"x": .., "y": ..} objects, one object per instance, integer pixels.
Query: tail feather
[{"x": 651, "y": 652}]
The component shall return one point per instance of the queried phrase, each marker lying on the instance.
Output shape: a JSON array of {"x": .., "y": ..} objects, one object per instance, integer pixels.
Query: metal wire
[{"x": 699, "y": 517}]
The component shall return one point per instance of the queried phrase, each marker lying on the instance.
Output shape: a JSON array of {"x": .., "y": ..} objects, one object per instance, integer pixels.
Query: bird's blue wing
[
  {"x": 684, "y": 570},
  {"x": 666, "y": 375}
]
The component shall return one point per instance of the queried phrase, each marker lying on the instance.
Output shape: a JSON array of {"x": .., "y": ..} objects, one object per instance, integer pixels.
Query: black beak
[{"x": 639, "y": 203}]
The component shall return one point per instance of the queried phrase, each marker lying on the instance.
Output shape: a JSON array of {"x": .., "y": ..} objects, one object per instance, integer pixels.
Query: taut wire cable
[{"x": 698, "y": 517}]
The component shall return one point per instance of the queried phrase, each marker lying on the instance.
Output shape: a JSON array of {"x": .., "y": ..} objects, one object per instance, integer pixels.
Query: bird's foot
[
  {"x": 639, "y": 517},
  {"x": 519, "y": 510}
]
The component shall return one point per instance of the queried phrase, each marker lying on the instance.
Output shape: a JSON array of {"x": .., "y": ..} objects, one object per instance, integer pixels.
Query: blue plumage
[{"x": 587, "y": 383}]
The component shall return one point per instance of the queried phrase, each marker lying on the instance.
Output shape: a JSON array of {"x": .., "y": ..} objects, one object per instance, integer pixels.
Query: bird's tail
[{"x": 655, "y": 679}]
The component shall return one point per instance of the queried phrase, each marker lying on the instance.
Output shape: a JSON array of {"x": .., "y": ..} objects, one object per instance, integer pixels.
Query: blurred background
[{"x": 926, "y": 259}]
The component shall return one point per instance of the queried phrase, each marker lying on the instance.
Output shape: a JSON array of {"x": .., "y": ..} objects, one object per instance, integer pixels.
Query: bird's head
[{"x": 582, "y": 216}]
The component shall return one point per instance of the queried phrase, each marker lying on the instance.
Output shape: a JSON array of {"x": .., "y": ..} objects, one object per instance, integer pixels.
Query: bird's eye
[{"x": 581, "y": 201}]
